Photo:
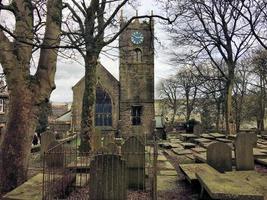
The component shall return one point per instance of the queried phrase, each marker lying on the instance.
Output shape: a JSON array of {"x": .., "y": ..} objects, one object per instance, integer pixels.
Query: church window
[
  {"x": 138, "y": 55},
  {"x": 136, "y": 115},
  {"x": 103, "y": 108}
]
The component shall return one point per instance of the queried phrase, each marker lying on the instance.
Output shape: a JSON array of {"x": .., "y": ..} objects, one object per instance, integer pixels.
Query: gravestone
[
  {"x": 244, "y": 144},
  {"x": 107, "y": 178},
  {"x": 198, "y": 130},
  {"x": 54, "y": 158},
  {"x": 46, "y": 139},
  {"x": 113, "y": 148},
  {"x": 219, "y": 156},
  {"x": 133, "y": 151}
]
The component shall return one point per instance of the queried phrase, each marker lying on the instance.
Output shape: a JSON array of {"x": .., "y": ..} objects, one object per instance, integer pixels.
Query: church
[{"x": 125, "y": 106}]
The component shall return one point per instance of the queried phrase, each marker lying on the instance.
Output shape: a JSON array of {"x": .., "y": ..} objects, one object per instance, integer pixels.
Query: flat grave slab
[
  {"x": 258, "y": 153},
  {"x": 182, "y": 151},
  {"x": 262, "y": 161},
  {"x": 261, "y": 146},
  {"x": 167, "y": 173},
  {"x": 201, "y": 140},
  {"x": 205, "y": 144},
  {"x": 221, "y": 186},
  {"x": 253, "y": 178},
  {"x": 188, "y": 145},
  {"x": 166, "y": 183},
  {"x": 199, "y": 149},
  {"x": 261, "y": 141},
  {"x": 32, "y": 188},
  {"x": 201, "y": 157},
  {"x": 176, "y": 145},
  {"x": 189, "y": 170},
  {"x": 207, "y": 136},
  {"x": 185, "y": 136},
  {"x": 165, "y": 165},
  {"x": 224, "y": 140},
  {"x": 217, "y": 135}
]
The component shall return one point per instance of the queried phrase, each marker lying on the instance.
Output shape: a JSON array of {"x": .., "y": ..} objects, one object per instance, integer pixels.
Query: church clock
[{"x": 137, "y": 37}]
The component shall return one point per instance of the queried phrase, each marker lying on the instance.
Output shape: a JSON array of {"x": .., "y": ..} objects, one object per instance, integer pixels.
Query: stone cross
[
  {"x": 133, "y": 151},
  {"x": 107, "y": 178},
  {"x": 219, "y": 156},
  {"x": 244, "y": 144}
]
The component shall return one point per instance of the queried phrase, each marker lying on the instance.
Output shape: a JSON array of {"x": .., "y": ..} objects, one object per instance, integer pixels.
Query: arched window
[
  {"x": 103, "y": 108},
  {"x": 138, "y": 55}
]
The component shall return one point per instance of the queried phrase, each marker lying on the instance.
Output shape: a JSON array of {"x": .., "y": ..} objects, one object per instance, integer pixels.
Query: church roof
[{"x": 100, "y": 69}]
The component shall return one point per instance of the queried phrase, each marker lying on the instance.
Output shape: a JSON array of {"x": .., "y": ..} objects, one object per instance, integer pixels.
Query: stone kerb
[
  {"x": 108, "y": 178},
  {"x": 219, "y": 156}
]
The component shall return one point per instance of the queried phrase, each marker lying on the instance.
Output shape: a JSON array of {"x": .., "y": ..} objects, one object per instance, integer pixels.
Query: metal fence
[{"x": 104, "y": 174}]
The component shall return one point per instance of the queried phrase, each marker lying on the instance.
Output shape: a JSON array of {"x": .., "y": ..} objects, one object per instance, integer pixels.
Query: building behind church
[{"x": 126, "y": 106}]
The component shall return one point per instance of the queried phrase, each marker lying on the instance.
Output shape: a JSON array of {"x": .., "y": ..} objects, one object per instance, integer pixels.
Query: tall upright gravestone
[
  {"x": 244, "y": 144},
  {"x": 133, "y": 151},
  {"x": 219, "y": 156},
  {"x": 46, "y": 139},
  {"x": 107, "y": 178}
]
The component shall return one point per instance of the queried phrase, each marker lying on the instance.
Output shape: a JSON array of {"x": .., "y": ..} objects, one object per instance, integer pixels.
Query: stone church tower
[{"x": 137, "y": 79}]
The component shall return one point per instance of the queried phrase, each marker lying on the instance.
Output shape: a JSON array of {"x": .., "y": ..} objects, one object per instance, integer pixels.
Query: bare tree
[
  {"x": 211, "y": 29},
  {"x": 26, "y": 91},
  {"x": 169, "y": 89}
]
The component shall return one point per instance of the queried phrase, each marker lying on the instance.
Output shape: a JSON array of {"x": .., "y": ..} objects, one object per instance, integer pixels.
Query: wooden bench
[
  {"x": 189, "y": 170},
  {"x": 229, "y": 186}
]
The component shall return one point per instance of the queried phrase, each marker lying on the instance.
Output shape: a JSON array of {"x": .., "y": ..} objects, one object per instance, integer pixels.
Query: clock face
[{"x": 137, "y": 37}]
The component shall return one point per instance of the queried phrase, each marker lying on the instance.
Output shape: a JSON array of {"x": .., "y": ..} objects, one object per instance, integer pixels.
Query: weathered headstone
[
  {"x": 198, "y": 130},
  {"x": 219, "y": 156},
  {"x": 46, "y": 139},
  {"x": 108, "y": 178},
  {"x": 113, "y": 148},
  {"x": 244, "y": 144},
  {"x": 54, "y": 157},
  {"x": 133, "y": 151}
]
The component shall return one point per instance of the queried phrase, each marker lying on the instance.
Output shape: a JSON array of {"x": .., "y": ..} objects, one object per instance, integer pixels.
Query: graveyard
[
  {"x": 185, "y": 166},
  {"x": 133, "y": 100}
]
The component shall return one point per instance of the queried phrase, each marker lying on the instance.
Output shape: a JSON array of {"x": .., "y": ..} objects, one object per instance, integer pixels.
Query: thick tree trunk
[
  {"x": 18, "y": 137},
  {"x": 88, "y": 106}
]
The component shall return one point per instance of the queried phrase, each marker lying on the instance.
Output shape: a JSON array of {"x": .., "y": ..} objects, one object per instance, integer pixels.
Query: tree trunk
[
  {"x": 88, "y": 106},
  {"x": 18, "y": 137},
  {"x": 218, "y": 106},
  {"x": 228, "y": 106}
]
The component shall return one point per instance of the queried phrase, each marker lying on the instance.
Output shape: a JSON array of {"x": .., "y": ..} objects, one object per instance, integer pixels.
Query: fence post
[{"x": 155, "y": 160}]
